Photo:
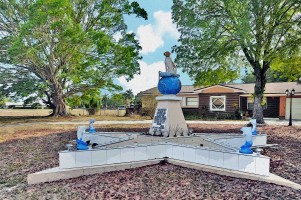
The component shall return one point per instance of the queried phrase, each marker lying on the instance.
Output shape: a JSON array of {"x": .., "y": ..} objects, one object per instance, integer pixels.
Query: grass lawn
[
  {"x": 27, "y": 149},
  {"x": 23, "y": 117}
]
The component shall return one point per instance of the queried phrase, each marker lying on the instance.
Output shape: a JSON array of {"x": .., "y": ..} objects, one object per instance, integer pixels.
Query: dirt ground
[{"x": 28, "y": 149}]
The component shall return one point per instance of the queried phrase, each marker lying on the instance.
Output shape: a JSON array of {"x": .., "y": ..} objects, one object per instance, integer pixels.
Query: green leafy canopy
[
  {"x": 69, "y": 46},
  {"x": 219, "y": 37}
]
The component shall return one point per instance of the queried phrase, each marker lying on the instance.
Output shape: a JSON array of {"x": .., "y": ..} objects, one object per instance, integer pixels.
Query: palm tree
[{"x": 128, "y": 95}]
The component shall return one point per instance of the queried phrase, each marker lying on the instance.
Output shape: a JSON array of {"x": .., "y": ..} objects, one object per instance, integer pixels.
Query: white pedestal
[{"x": 169, "y": 119}]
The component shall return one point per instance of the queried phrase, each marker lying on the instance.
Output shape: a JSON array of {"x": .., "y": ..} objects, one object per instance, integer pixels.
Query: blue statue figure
[
  {"x": 169, "y": 82},
  {"x": 91, "y": 128},
  {"x": 254, "y": 130},
  {"x": 80, "y": 144},
  {"x": 246, "y": 148}
]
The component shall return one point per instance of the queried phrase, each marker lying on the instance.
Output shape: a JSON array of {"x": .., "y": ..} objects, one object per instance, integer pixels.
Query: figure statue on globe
[
  {"x": 169, "y": 119},
  {"x": 169, "y": 65},
  {"x": 169, "y": 82}
]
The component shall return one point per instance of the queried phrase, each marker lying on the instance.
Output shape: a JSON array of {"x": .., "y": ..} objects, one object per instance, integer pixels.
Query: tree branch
[{"x": 248, "y": 56}]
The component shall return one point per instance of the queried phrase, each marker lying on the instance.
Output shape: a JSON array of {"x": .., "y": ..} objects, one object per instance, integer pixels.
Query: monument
[
  {"x": 98, "y": 152},
  {"x": 169, "y": 120}
]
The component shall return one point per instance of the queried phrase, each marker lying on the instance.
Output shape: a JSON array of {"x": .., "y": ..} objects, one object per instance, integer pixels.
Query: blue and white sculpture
[
  {"x": 169, "y": 82},
  {"x": 169, "y": 120},
  {"x": 254, "y": 129},
  {"x": 246, "y": 148},
  {"x": 80, "y": 144},
  {"x": 91, "y": 128}
]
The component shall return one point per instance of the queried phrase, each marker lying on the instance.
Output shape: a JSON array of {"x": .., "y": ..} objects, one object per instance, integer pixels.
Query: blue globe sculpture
[{"x": 169, "y": 84}]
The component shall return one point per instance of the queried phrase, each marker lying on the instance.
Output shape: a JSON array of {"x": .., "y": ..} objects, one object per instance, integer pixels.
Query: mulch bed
[{"x": 21, "y": 157}]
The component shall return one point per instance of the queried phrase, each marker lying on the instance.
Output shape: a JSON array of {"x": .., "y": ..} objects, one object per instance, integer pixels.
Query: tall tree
[
  {"x": 104, "y": 101},
  {"x": 67, "y": 46},
  {"x": 117, "y": 100},
  {"x": 218, "y": 35},
  {"x": 128, "y": 96},
  {"x": 271, "y": 76},
  {"x": 3, "y": 100},
  {"x": 288, "y": 66}
]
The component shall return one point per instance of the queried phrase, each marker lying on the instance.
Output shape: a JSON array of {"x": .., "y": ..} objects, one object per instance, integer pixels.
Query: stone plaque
[{"x": 160, "y": 118}]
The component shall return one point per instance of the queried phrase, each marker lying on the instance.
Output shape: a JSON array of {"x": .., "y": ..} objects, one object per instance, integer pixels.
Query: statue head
[
  {"x": 91, "y": 121},
  {"x": 253, "y": 122},
  {"x": 167, "y": 53},
  {"x": 247, "y": 132},
  {"x": 80, "y": 131}
]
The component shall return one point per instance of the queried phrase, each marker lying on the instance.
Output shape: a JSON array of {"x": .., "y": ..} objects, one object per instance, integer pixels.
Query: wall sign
[{"x": 160, "y": 118}]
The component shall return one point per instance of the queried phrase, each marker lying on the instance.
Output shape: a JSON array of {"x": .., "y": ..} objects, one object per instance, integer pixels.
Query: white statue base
[{"x": 169, "y": 120}]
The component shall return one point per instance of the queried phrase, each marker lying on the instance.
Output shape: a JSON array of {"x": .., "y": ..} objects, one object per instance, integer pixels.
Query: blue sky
[{"x": 156, "y": 35}]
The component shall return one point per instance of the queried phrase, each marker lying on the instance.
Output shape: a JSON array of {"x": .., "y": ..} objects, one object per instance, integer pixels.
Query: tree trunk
[
  {"x": 260, "y": 74},
  {"x": 48, "y": 102},
  {"x": 59, "y": 103},
  {"x": 58, "y": 99},
  {"x": 257, "y": 110}
]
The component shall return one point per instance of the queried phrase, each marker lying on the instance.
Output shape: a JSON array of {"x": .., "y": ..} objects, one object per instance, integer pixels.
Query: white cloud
[
  {"x": 117, "y": 36},
  {"x": 151, "y": 35},
  {"x": 149, "y": 39},
  {"x": 147, "y": 79},
  {"x": 165, "y": 24}
]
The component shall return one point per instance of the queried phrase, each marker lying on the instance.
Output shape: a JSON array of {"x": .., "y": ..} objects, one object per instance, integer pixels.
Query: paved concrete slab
[
  {"x": 55, "y": 174},
  {"x": 272, "y": 178}
]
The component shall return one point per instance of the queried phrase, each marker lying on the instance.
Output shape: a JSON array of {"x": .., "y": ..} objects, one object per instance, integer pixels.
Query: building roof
[
  {"x": 271, "y": 88},
  {"x": 221, "y": 86},
  {"x": 153, "y": 90}
]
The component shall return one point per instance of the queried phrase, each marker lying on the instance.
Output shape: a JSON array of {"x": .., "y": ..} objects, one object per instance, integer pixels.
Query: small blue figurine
[
  {"x": 81, "y": 145},
  {"x": 254, "y": 130},
  {"x": 91, "y": 128},
  {"x": 246, "y": 148}
]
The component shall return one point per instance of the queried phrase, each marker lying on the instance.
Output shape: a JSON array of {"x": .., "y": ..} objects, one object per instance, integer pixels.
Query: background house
[
  {"x": 190, "y": 100},
  {"x": 225, "y": 99}
]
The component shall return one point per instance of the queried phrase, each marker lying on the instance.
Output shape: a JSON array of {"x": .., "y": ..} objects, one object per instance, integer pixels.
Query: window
[
  {"x": 250, "y": 104},
  {"x": 192, "y": 101},
  {"x": 217, "y": 103}
]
